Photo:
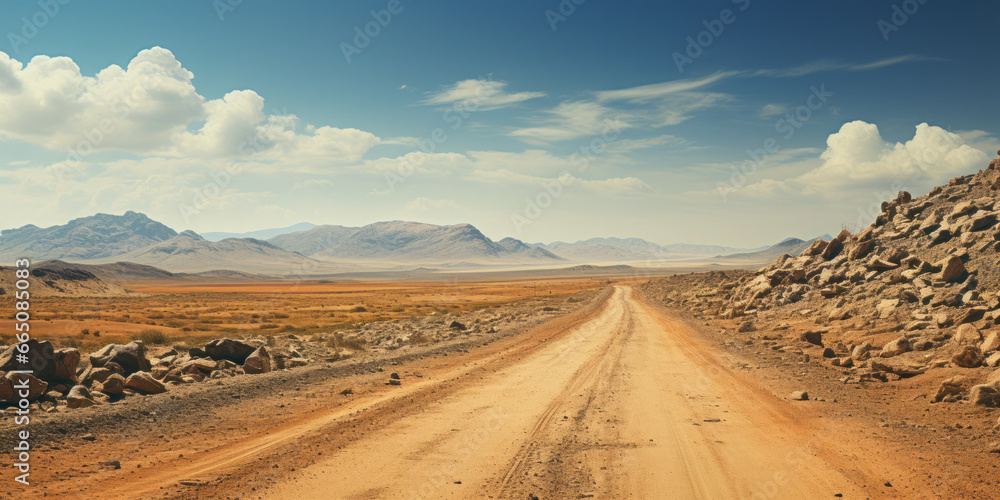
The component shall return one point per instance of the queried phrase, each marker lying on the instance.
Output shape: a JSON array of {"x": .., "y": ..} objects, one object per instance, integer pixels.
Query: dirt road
[{"x": 626, "y": 405}]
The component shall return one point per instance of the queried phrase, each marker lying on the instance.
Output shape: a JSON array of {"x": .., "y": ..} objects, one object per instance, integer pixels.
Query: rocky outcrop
[{"x": 129, "y": 357}]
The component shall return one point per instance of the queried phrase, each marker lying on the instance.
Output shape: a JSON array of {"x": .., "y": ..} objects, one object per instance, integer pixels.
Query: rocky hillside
[
  {"x": 86, "y": 238},
  {"x": 415, "y": 242},
  {"x": 55, "y": 279},
  {"x": 917, "y": 292},
  {"x": 191, "y": 253},
  {"x": 314, "y": 240},
  {"x": 607, "y": 250}
]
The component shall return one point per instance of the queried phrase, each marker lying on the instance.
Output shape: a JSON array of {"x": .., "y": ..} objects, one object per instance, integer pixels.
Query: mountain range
[
  {"x": 135, "y": 238},
  {"x": 411, "y": 242}
]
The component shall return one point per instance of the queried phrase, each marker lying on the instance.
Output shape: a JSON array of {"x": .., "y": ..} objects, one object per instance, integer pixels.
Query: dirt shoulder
[{"x": 946, "y": 445}]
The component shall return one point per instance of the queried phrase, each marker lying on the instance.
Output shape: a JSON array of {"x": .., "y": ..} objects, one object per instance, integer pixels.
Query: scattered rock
[
  {"x": 969, "y": 357},
  {"x": 952, "y": 268},
  {"x": 79, "y": 397},
  {"x": 896, "y": 347},
  {"x": 130, "y": 358},
  {"x": 259, "y": 361},
  {"x": 985, "y": 395},
  {"x": 228, "y": 349},
  {"x": 144, "y": 383}
]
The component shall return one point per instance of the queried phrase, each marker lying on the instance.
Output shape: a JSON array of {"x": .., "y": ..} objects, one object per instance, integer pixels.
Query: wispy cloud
[
  {"x": 770, "y": 110},
  {"x": 833, "y": 65},
  {"x": 479, "y": 94},
  {"x": 667, "y": 141},
  {"x": 573, "y": 119},
  {"x": 646, "y": 93},
  {"x": 619, "y": 186},
  {"x": 427, "y": 204}
]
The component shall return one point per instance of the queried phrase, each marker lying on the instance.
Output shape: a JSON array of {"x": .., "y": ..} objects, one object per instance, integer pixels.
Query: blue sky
[{"x": 481, "y": 112}]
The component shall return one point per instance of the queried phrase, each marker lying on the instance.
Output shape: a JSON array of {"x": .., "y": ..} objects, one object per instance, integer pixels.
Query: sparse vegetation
[{"x": 151, "y": 336}]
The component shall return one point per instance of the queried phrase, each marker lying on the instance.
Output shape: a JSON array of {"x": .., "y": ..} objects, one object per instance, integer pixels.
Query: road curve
[{"x": 627, "y": 405}]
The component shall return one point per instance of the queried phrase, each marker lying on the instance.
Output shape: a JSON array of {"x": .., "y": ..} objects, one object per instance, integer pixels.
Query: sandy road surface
[{"x": 626, "y": 405}]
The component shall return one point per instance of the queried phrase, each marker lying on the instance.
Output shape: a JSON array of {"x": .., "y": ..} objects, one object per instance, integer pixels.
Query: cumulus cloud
[
  {"x": 151, "y": 107},
  {"x": 858, "y": 161},
  {"x": 479, "y": 94}
]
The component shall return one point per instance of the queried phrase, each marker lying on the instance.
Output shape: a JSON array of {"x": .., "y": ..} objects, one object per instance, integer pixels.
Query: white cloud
[
  {"x": 770, "y": 110},
  {"x": 656, "y": 91},
  {"x": 426, "y": 204},
  {"x": 479, "y": 94},
  {"x": 623, "y": 146},
  {"x": 831, "y": 65},
  {"x": 622, "y": 186},
  {"x": 571, "y": 120},
  {"x": 858, "y": 161},
  {"x": 151, "y": 107}
]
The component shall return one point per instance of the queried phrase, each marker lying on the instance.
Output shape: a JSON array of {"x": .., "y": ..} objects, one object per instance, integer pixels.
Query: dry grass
[{"x": 194, "y": 314}]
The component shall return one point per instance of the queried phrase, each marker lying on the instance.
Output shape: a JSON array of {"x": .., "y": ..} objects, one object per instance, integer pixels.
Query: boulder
[
  {"x": 46, "y": 362},
  {"x": 144, "y": 383},
  {"x": 202, "y": 365},
  {"x": 967, "y": 334},
  {"x": 6, "y": 389},
  {"x": 130, "y": 357},
  {"x": 886, "y": 307},
  {"x": 814, "y": 337},
  {"x": 259, "y": 361},
  {"x": 817, "y": 247},
  {"x": 113, "y": 385},
  {"x": 993, "y": 360},
  {"x": 991, "y": 343},
  {"x": 832, "y": 249},
  {"x": 861, "y": 352},
  {"x": 942, "y": 319},
  {"x": 861, "y": 250},
  {"x": 79, "y": 397},
  {"x": 985, "y": 395},
  {"x": 92, "y": 375},
  {"x": 36, "y": 387},
  {"x": 799, "y": 396},
  {"x": 969, "y": 357},
  {"x": 877, "y": 264},
  {"x": 949, "y": 387},
  {"x": 455, "y": 325},
  {"x": 971, "y": 314},
  {"x": 895, "y": 348},
  {"x": 952, "y": 268},
  {"x": 229, "y": 349}
]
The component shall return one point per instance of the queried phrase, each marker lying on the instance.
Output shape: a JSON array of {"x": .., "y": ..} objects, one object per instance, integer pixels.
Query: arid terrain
[{"x": 865, "y": 366}]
